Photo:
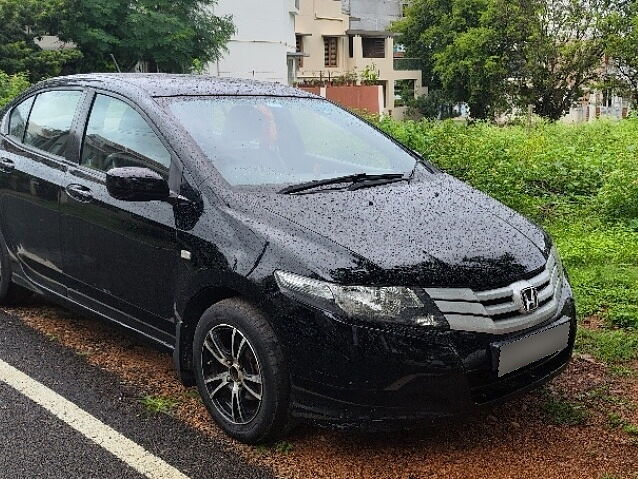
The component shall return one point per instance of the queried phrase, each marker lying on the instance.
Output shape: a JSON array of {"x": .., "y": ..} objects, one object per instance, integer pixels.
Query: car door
[
  {"x": 120, "y": 257},
  {"x": 33, "y": 163}
]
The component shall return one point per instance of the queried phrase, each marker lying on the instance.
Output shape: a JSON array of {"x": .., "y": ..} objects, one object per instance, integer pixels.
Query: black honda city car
[{"x": 298, "y": 263}]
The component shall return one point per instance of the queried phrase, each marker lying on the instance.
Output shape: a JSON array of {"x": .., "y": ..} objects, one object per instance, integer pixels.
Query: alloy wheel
[{"x": 232, "y": 376}]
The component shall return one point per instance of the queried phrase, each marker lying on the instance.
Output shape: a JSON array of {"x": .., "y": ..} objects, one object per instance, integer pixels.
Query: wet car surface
[{"x": 302, "y": 279}]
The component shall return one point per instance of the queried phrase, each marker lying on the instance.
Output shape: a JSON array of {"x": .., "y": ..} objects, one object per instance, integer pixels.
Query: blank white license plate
[{"x": 528, "y": 349}]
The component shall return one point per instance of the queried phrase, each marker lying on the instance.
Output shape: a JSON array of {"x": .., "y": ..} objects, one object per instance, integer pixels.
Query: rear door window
[
  {"x": 18, "y": 119},
  {"x": 118, "y": 136},
  {"x": 50, "y": 121}
]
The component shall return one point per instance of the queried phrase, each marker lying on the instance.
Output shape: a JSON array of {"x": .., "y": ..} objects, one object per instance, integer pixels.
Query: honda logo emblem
[{"x": 529, "y": 298}]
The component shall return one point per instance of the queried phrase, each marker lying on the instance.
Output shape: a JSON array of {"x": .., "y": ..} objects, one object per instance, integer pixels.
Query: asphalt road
[{"x": 34, "y": 443}]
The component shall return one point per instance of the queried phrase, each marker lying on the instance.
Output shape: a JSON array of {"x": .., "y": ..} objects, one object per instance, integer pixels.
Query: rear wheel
[
  {"x": 10, "y": 293},
  {"x": 241, "y": 372}
]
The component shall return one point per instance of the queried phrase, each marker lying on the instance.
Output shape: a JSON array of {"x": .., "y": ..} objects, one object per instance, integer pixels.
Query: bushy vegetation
[
  {"x": 11, "y": 86},
  {"x": 580, "y": 183}
]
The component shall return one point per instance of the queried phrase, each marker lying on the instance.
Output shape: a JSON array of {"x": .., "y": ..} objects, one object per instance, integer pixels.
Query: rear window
[
  {"x": 18, "y": 119},
  {"x": 50, "y": 120}
]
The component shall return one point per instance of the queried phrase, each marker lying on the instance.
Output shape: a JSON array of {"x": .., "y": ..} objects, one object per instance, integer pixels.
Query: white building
[{"x": 263, "y": 47}]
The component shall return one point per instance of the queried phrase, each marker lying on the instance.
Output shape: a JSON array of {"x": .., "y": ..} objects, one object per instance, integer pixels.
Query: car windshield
[{"x": 283, "y": 140}]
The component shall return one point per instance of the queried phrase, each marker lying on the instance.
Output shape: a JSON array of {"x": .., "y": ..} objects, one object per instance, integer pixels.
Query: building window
[
  {"x": 330, "y": 51},
  {"x": 299, "y": 50},
  {"x": 403, "y": 92},
  {"x": 373, "y": 47},
  {"x": 351, "y": 46},
  {"x": 608, "y": 97}
]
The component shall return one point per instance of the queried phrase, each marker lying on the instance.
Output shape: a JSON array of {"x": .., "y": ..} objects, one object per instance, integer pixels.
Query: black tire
[
  {"x": 10, "y": 293},
  {"x": 253, "y": 420}
]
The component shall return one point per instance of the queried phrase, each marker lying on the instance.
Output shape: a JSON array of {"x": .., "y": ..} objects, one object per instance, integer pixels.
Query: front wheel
[{"x": 241, "y": 372}]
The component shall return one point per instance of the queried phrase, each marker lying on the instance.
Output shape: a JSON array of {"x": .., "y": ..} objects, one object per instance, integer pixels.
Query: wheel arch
[{"x": 187, "y": 323}]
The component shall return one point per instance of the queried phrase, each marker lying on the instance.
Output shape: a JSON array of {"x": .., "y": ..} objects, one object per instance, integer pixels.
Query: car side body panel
[
  {"x": 119, "y": 256},
  {"x": 29, "y": 196}
]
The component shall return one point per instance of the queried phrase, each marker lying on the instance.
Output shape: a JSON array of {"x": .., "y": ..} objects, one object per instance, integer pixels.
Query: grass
[
  {"x": 284, "y": 447},
  {"x": 602, "y": 393},
  {"x": 193, "y": 393},
  {"x": 615, "y": 421},
  {"x": 622, "y": 371},
  {"x": 280, "y": 447},
  {"x": 581, "y": 184},
  {"x": 51, "y": 337},
  {"x": 564, "y": 412},
  {"x": 158, "y": 404},
  {"x": 612, "y": 346}
]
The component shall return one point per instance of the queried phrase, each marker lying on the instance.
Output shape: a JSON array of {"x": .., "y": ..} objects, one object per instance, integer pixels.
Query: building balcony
[{"x": 403, "y": 64}]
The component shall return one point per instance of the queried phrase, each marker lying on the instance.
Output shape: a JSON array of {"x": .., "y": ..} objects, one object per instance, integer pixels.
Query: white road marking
[{"x": 108, "y": 438}]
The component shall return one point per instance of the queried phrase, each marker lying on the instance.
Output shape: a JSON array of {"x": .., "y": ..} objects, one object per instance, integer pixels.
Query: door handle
[
  {"x": 6, "y": 165},
  {"x": 79, "y": 193}
]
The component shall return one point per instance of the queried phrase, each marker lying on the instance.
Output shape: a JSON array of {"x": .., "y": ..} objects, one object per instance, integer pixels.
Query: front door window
[{"x": 118, "y": 136}]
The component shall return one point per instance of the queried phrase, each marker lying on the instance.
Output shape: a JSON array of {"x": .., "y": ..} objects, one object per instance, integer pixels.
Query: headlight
[
  {"x": 391, "y": 304},
  {"x": 562, "y": 273},
  {"x": 554, "y": 252}
]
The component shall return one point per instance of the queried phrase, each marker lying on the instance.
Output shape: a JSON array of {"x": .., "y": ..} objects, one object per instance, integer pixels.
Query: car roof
[{"x": 164, "y": 84}]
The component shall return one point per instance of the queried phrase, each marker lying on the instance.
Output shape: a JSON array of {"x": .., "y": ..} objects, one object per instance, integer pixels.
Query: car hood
[{"x": 434, "y": 231}]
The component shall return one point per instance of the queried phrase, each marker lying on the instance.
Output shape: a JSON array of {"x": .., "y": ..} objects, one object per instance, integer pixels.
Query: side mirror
[{"x": 132, "y": 183}]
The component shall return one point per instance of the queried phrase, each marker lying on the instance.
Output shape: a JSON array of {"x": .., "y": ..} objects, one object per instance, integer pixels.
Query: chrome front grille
[{"x": 500, "y": 311}]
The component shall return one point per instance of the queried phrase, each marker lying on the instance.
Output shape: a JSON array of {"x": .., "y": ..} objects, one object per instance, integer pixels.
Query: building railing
[{"x": 403, "y": 63}]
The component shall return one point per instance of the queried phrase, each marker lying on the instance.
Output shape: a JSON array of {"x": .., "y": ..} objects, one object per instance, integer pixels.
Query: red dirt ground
[{"x": 516, "y": 440}]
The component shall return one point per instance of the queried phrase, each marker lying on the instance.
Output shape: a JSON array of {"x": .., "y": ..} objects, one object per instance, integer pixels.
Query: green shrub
[
  {"x": 11, "y": 86},
  {"x": 618, "y": 197},
  {"x": 551, "y": 161}
]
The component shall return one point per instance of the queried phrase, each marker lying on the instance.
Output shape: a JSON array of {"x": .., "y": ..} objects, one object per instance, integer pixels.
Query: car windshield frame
[{"x": 414, "y": 158}]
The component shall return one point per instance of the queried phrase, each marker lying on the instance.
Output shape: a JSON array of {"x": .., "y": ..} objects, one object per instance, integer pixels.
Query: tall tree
[
  {"x": 510, "y": 52},
  {"x": 622, "y": 52},
  {"x": 167, "y": 34},
  {"x": 562, "y": 52},
  {"x": 23, "y": 23},
  {"x": 473, "y": 70},
  {"x": 429, "y": 26}
]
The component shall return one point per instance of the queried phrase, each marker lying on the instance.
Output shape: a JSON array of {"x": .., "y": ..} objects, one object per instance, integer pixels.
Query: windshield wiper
[
  {"x": 359, "y": 180},
  {"x": 369, "y": 183}
]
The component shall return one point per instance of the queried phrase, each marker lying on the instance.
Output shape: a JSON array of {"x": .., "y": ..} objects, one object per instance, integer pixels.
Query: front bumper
[{"x": 356, "y": 376}]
